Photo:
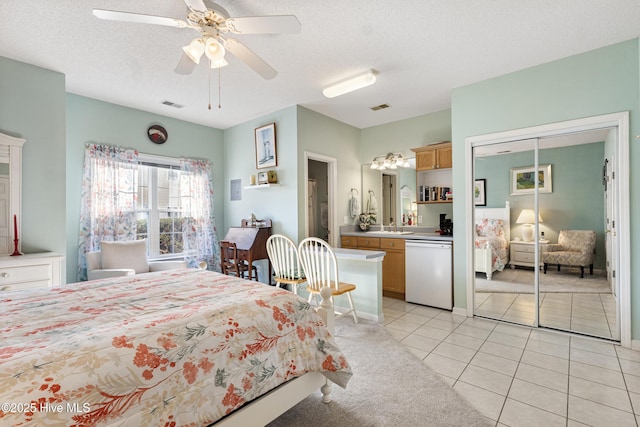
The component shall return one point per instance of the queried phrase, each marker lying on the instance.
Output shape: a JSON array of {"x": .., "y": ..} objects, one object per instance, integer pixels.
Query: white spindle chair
[
  {"x": 283, "y": 255},
  {"x": 321, "y": 269}
]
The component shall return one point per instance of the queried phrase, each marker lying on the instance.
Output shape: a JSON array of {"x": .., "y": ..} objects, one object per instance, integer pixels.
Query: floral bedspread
[
  {"x": 173, "y": 348},
  {"x": 490, "y": 235},
  {"x": 499, "y": 250}
]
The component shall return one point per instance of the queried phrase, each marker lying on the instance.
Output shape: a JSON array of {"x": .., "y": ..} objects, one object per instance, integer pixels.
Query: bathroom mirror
[
  {"x": 10, "y": 192},
  {"x": 375, "y": 184}
]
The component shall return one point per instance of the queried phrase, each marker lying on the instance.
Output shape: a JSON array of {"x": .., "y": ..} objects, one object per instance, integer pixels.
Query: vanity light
[
  {"x": 346, "y": 86},
  {"x": 390, "y": 161}
]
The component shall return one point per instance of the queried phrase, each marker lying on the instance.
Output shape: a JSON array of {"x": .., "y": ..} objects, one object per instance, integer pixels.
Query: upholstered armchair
[
  {"x": 124, "y": 259},
  {"x": 575, "y": 248}
]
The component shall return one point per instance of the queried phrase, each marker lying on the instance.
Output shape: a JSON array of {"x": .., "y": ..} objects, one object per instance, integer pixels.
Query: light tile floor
[
  {"x": 519, "y": 376},
  {"x": 587, "y": 313}
]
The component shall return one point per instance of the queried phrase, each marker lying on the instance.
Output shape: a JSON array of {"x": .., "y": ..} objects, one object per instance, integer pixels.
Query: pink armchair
[{"x": 575, "y": 248}]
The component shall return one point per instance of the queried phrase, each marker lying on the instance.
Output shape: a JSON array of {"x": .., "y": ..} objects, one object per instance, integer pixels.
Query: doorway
[
  {"x": 320, "y": 215},
  {"x": 574, "y": 197},
  {"x": 389, "y": 199}
]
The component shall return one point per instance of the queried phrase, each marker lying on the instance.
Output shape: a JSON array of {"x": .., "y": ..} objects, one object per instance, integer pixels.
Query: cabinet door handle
[
  {"x": 4, "y": 288},
  {"x": 5, "y": 275}
]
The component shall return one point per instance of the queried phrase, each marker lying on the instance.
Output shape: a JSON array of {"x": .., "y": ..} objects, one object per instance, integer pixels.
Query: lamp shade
[
  {"x": 527, "y": 216},
  {"x": 346, "y": 86},
  {"x": 194, "y": 50},
  {"x": 214, "y": 49}
]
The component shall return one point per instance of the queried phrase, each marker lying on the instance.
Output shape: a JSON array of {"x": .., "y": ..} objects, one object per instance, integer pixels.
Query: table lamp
[{"x": 527, "y": 218}]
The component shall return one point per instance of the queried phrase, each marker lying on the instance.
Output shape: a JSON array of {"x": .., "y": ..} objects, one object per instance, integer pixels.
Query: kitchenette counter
[{"x": 399, "y": 235}]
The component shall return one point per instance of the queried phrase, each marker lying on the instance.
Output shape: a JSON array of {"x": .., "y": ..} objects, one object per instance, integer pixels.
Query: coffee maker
[{"x": 446, "y": 226}]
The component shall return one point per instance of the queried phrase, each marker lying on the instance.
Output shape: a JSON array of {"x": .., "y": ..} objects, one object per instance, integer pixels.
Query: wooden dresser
[{"x": 30, "y": 271}]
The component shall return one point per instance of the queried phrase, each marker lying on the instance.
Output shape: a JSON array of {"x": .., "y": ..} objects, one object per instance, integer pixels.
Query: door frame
[
  {"x": 332, "y": 183},
  {"x": 622, "y": 245}
]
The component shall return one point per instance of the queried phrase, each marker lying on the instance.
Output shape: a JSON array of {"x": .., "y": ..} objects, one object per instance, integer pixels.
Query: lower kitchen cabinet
[{"x": 393, "y": 270}]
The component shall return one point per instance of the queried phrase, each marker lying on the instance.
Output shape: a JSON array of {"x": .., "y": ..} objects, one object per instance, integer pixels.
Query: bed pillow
[
  {"x": 130, "y": 254},
  {"x": 488, "y": 227}
]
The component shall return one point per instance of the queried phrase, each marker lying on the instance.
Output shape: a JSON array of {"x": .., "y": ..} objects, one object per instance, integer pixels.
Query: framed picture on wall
[
  {"x": 480, "y": 192},
  {"x": 266, "y": 156},
  {"x": 523, "y": 180}
]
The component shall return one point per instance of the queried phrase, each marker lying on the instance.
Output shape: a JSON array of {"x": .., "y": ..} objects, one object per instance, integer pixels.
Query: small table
[{"x": 523, "y": 253}]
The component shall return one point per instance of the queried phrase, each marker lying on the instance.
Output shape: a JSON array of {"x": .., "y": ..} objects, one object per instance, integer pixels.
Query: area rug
[
  {"x": 521, "y": 281},
  {"x": 389, "y": 387}
]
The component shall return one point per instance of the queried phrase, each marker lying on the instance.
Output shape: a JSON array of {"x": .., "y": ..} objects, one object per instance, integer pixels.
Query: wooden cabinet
[
  {"x": 436, "y": 156},
  {"x": 433, "y": 173},
  {"x": 30, "y": 271},
  {"x": 349, "y": 242},
  {"x": 393, "y": 271},
  {"x": 523, "y": 253}
]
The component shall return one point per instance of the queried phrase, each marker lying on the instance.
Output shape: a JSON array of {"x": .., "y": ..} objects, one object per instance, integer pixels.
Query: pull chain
[
  {"x": 219, "y": 89},
  {"x": 219, "y": 83},
  {"x": 209, "y": 89}
]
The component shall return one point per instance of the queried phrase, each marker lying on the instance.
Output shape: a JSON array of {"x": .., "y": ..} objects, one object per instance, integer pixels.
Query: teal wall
[
  {"x": 577, "y": 200},
  {"x": 32, "y": 106},
  {"x": 276, "y": 203},
  {"x": 401, "y": 137},
  {"x": 323, "y": 135},
  {"x": 598, "y": 82}
]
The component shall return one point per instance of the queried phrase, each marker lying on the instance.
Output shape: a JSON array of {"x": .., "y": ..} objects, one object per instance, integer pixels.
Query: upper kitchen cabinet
[
  {"x": 433, "y": 173},
  {"x": 435, "y": 156}
]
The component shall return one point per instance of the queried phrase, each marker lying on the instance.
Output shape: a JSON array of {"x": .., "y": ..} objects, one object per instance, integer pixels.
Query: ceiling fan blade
[
  {"x": 185, "y": 65},
  {"x": 138, "y": 18},
  {"x": 247, "y": 56},
  {"x": 264, "y": 24},
  {"x": 197, "y": 5}
]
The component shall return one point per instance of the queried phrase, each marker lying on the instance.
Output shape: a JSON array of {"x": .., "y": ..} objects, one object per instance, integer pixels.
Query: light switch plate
[
  {"x": 346, "y": 219},
  {"x": 419, "y": 219}
]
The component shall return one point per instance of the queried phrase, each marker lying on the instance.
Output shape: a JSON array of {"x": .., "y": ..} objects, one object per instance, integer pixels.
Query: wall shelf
[{"x": 258, "y": 186}]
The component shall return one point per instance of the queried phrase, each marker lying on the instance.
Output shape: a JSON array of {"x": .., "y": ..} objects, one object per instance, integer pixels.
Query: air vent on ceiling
[
  {"x": 380, "y": 107},
  {"x": 171, "y": 104}
]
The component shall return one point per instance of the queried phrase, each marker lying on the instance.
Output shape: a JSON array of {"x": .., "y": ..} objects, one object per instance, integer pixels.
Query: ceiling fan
[{"x": 213, "y": 24}]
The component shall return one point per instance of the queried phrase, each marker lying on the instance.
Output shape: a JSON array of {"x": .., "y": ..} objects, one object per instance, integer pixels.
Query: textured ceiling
[{"x": 421, "y": 49}]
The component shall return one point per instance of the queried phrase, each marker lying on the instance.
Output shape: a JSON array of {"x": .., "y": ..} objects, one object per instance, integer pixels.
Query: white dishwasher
[{"x": 429, "y": 273}]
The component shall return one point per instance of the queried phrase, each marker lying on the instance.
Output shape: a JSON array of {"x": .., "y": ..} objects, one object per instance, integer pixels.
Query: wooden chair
[
  {"x": 321, "y": 269},
  {"x": 283, "y": 255},
  {"x": 230, "y": 264}
]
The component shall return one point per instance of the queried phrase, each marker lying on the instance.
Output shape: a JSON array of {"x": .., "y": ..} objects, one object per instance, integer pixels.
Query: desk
[{"x": 251, "y": 243}]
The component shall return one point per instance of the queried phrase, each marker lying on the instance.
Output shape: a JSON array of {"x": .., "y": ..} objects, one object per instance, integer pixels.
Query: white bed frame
[
  {"x": 483, "y": 256},
  {"x": 271, "y": 405}
]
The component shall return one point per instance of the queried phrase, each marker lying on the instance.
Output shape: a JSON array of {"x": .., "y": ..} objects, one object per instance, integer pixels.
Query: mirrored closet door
[{"x": 541, "y": 211}]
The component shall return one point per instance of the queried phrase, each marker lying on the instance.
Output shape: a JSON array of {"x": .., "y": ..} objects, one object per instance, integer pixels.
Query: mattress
[{"x": 179, "y": 347}]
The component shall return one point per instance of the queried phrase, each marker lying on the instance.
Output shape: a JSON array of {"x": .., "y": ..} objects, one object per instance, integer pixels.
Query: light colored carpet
[
  {"x": 521, "y": 281},
  {"x": 390, "y": 387}
]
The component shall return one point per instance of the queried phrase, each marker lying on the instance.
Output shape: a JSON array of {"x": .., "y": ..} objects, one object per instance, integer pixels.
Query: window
[
  {"x": 158, "y": 209},
  {"x": 127, "y": 196}
]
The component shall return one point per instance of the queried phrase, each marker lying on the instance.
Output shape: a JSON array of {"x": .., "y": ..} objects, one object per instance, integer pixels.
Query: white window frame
[{"x": 153, "y": 229}]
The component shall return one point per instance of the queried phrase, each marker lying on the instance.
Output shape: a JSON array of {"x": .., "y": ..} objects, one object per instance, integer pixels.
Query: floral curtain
[
  {"x": 108, "y": 201},
  {"x": 199, "y": 226}
]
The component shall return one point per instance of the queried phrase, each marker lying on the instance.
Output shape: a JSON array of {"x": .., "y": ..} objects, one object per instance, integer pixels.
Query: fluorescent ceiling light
[{"x": 346, "y": 86}]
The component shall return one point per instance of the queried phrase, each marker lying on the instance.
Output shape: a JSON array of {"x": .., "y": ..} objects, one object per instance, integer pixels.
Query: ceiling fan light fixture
[
  {"x": 194, "y": 50},
  {"x": 219, "y": 63},
  {"x": 214, "y": 50},
  {"x": 350, "y": 85}
]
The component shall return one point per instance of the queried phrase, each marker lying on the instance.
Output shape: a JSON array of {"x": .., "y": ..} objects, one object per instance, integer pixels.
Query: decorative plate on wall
[{"x": 157, "y": 134}]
